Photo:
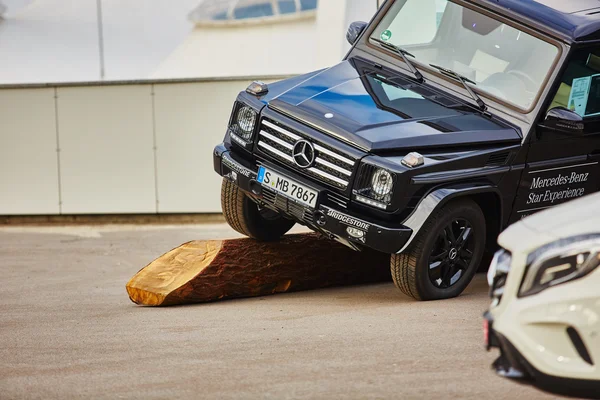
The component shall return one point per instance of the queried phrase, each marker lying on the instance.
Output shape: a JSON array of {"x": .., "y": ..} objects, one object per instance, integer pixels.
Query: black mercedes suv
[{"x": 446, "y": 121}]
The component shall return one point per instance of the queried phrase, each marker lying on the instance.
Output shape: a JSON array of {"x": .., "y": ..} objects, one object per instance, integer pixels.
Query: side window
[
  {"x": 579, "y": 88},
  {"x": 417, "y": 24}
]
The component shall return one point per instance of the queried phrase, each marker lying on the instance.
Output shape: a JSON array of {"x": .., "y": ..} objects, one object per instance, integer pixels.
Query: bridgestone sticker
[
  {"x": 348, "y": 220},
  {"x": 235, "y": 167}
]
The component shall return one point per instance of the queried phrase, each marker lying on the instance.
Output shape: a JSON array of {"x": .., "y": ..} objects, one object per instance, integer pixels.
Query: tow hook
[
  {"x": 320, "y": 218},
  {"x": 255, "y": 187}
]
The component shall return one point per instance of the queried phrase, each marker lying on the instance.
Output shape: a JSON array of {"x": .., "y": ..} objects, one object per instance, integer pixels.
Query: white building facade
[{"x": 143, "y": 145}]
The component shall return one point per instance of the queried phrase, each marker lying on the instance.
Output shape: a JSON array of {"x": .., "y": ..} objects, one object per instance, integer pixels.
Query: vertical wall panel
[
  {"x": 190, "y": 120},
  {"x": 28, "y": 162},
  {"x": 107, "y": 158}
]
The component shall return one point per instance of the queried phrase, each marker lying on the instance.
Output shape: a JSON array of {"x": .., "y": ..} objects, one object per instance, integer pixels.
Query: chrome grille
[{"x": 331, "y": 166}]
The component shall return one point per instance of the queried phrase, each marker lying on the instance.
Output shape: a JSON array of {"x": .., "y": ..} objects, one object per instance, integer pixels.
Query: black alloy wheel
[
  {"x": 444, "y": 255},
  {"x": 452, "y": 254}
]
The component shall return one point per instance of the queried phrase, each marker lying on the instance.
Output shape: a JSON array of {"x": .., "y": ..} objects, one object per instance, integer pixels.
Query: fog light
[
  {"x": 413, "y": 160},
  {"x": 320, "y": 218},
  {"x": 356, "y": 233}
]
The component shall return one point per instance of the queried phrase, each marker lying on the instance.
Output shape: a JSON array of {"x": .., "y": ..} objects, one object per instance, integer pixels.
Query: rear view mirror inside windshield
[{"x": 478, "y": 23}]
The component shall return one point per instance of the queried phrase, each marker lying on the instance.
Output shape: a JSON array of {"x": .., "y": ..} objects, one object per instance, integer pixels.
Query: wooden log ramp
[{"x": 204, "y": 271}]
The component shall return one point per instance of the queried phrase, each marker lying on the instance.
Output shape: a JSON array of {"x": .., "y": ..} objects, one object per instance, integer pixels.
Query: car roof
[{"x": 568, "y": 20}]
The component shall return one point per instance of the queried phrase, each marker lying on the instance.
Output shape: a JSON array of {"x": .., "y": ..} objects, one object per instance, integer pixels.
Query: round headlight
[
  {"x": 246, "y": 120},
  {"x": 382, "y": 183}
]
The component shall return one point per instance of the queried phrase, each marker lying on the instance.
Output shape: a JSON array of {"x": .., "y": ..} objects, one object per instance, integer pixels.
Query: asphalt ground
[{"x": 68, "y": 330}]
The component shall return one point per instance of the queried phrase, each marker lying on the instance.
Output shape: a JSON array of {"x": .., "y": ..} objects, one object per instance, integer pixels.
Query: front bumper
[
  {"x": 512, "y": 364},
  {"x": 325, "y": 218}
]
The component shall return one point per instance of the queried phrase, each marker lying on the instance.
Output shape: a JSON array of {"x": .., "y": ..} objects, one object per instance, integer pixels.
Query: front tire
[
  {"x": 445, "y": 255},
  {"x": 244, "y": 215}
]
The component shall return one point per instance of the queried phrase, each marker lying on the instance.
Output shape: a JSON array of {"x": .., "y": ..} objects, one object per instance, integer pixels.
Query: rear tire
[
  {"x": 244, "y": 216},
  {"x": 445, "y": 255}
]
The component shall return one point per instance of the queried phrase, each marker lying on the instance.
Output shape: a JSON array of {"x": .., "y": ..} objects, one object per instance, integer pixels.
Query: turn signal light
[
  {"x": 257, "y": 88},
  {"x": 413, "y": 160}
]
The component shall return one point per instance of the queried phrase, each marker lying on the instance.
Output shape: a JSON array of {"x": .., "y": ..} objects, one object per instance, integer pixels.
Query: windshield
[{"x": 503, "y": 61}]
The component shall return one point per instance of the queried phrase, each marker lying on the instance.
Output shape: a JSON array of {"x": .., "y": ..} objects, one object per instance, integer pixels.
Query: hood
[
  {"x": 520, "y": 238},
  {"x": 577, "y": 217},
  {"x": 378, "y": 112}
]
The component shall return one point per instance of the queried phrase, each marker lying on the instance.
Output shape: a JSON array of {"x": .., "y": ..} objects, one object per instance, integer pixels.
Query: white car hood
[{"x": 578, "y": 217}]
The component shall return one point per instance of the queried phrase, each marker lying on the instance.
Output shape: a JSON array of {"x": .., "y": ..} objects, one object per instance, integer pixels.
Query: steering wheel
[{"x": 529, "y": 82}]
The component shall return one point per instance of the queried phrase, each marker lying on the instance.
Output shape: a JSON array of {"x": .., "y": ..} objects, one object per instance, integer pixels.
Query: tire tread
[
  {"x": 403, "y": 266},
  {"x": 232, "y": 203},
  {"x": 243, "y": 215}
]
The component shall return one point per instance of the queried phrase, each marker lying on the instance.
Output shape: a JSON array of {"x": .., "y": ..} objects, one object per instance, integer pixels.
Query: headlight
[
  {"x": 246, "y": 120},
  {"x": 243, "y": 123},
  {"x": 374, "y": 186},
  {"x": 498, "y": 274},
  {"x": 382, "y": 183},
  {"x": 500, "y": 265},
  {"x": 560, "y": 262}
]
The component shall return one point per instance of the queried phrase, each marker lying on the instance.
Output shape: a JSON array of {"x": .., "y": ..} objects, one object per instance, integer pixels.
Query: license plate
[{"x": 287, "y": 187}]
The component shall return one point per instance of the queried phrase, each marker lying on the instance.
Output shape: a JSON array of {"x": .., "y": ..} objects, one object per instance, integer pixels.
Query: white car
[{"x": 545, "y": 289}]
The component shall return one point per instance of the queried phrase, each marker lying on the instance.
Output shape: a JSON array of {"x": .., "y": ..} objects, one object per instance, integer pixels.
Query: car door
[{"x": 564, "y": 152}]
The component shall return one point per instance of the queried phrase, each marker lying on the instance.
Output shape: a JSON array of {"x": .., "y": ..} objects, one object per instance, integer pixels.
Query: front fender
[{"x": 436, "y": 199}]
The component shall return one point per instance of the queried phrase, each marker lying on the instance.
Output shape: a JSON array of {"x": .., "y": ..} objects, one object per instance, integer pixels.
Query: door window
[{"x": 579, "y": 88}]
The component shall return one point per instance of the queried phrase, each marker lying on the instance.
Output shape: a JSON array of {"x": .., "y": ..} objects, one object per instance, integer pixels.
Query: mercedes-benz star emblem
[
  {"x": 453, "y": 253},
  {"x": 303, "y": 154}
]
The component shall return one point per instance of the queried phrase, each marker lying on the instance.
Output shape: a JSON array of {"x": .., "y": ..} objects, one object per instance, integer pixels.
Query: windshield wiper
[
  {"x": 464, "y": 80},
  {"x": 403, "y": 53}
]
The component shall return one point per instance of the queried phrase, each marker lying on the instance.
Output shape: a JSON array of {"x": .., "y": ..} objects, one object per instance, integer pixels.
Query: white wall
[
  {"x": 247, "y": 50},
  {"x": 139, "y": 147},
  {"x": 290, "y": 47},
  {"x": 28, "y": 152},
  {"x": 57, "y": 40},
  {"x": 51, "y": 41},
  {"x": 190, "y": 120},
  {"x": 136, "y": 148},
  {"x": 106, "y": 149}
]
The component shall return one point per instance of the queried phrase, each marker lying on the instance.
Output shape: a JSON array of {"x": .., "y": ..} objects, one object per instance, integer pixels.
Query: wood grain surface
[{"x": 203, "y": 271}]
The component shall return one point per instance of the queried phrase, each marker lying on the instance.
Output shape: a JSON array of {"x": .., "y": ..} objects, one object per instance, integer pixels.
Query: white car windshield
[{"x": 503, "y": 61}]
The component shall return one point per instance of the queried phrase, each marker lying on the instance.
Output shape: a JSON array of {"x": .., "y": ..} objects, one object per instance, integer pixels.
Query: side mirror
[
  {"x": 564, "y": 120},
  {"x": 354, "y": 31}
]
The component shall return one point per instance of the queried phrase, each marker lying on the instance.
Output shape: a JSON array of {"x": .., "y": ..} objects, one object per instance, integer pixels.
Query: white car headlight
[
  {"x": 382, "y": 183},
  {"x": 500, "y": 265},
  {"x": 560, "y": 262},
  {"x": 498, "y": 274}
]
